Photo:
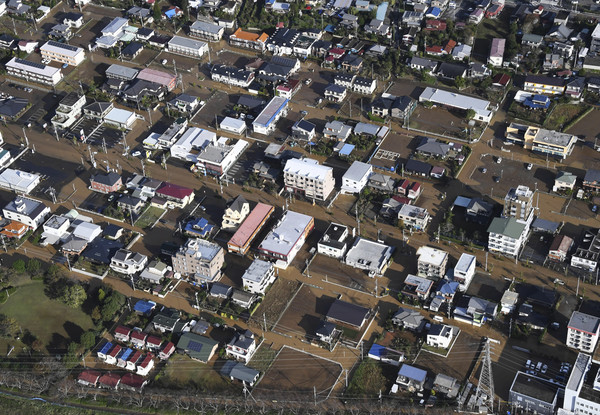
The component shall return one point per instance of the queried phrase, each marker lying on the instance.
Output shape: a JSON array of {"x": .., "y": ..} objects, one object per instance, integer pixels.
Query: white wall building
[
  {"x": 27, "y": 211},
  {"x": 464, "y": 271},
  {"x": 68, "y": 111},
  {"x": 19, "y": 181},
  {"x": 258, "y": 277},
  {"x": 506, "y": 236},
  {"x": 63, "y": 53},
  {"x": 582, "y": 332},
  {"x": 127, "y": 262},
  {"x": 34, "y": 72},
  {"x": 582, "y": 391},
  {"x": 187, "y": 47},
  {"x": 308, "y": 177},
  {"x": 432, "y": 262},
  {"x": 440, "y": 335},
  {"x": 266, "y": 121},
  {"x": 334, "y": 241},
  {"x": 371, "y": 256},
  {"x": 356, "y": 177}
]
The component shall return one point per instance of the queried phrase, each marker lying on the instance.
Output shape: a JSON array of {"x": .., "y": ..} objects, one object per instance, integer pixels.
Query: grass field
[
  {"x": 52, "y": 322},
  {"x": 18, "y": 406},
  {"x": 183, "y": 372},
  {"x": 562, "y": 115},
  {"x": 148, "y": 218}
]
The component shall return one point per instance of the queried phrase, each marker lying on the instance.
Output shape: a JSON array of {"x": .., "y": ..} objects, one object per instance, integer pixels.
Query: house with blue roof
[
  {"x": 537, "y": 102},
  {"x": 125, "y": 355},
  {"x": 381, "y": 11},
  {"x": 144, "y": 307},
  {"x": 199, "y": 228},
  {"x": 104, "y": 351},
  {"x": 385, "y": 355},
  {"x": 411, "y": 378},
  {"x": 433, "y": 12}
]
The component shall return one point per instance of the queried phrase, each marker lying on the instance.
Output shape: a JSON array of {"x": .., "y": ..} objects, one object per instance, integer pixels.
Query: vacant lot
[
  {"x": 305, "y": 313},
  {"x": 587, "y": 126},
  {"x": 563, "y": 114},
  {"x": 301, "y": 373},
  {"x": 55, "y": 324},
  {"x": 148, "y": 218},
  {"x": 439, "y": 121},
  {"x": 332, "y": 270},
  {"x": 275, "y": 301},
  {"x": 183, "y": 372}
]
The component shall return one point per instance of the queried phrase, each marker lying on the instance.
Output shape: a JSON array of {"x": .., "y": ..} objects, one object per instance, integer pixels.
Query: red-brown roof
[
  {"x": 115, "y": 351},
  {"x": 138, "y": 335},
  {"x": 501, "y": 79},
  {"x": 135, "y": 357},
  {"x": 110, "y": 379},
  {"x": 450, "y": 45},
  {"x": 133, "y": 380},
  {"x": 90, "y": 376},
  {"x": 153, "y": 340},
  {"x": 174, "y": 191},
  {"x": 404, "y": 184},
  {"x": 402, "y": 199},
  {"x": 125, "y": 331},
  {"x": 168, "y": 347},
  {"x": 434, "y": 49},
  {"x": 146, "y": 360}
]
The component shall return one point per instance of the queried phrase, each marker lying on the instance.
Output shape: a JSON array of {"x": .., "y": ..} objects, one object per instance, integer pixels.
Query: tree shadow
[
  {"x": 57, "y": 344},
  {"x": 73, "y": 331}
]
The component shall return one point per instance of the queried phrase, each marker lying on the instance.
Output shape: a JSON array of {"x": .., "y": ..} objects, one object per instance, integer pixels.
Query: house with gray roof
[
  {"x": 239, "y": 371},
  {"x": 409, "y": 319},
  {"x": 197, "y": 347},
  {"x": 433, "y": 148},
  {"x": 211, "y": 32}
]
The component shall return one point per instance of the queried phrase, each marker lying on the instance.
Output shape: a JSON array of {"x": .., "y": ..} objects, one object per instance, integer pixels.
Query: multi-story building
[
  {"x": 414, "y": 217},
  {"x": 33, "y": 71},
  {"x": 199, "y": 260},
  {"x": 533, "y": 394},
  {"x": 560, "y": 247},
  {"x": 235, "y": 214},
  {"x": 397, "y": 107},
  {"x": 496, "y": 56},
  {"x": 27, "y": 211},
  {"x": 187, "y": 47},
  {"x": 127, "y": 262},
  {"x": 464, "y": 271},
  {"x": 540, "y": 140},
  {"x": 582, "y": 391},
  {"x": 286, "y": 238},
  {"x": 547, "y": 85},
  {"x": 258, "y": 277},
  {"x": 242, "y": 346},
  {"x": 243, "y": 237},
  {"x": 68, "y": 111},
  {"x": 588, "y": 251},
  {"x": 308, "y": 177},
  {"x": 121, "y": 72},
  {"x": 266, "y": 121},
  {"x": 518, "y": 203},
  {"x": 248, "y": 40},
  {"x": 211, "y": 32},
  {"x": 106, "y": 183},
  {"x": 356, "y": 177},
  {"x": 371, "y": 256},
  {"x": 217, "y": 158},
  {"x": 333, "y": 243},
  {"x": 582, "y": 332},
  {"x": 365, "y": 86},
  {"x": 63, "y": 53},
  {"x": 230, "y": 75},
  {"x": 507, "y": 236},
  {"x": 335, "y": 93},
  {"x": 431, "y": 262}
]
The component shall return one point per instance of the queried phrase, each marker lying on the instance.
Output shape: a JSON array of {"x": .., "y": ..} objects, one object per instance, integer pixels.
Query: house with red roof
[
  {"x": 109, "y": 381},
  {"x": 449, "y": 46},
  {"x": 111, "y": 357},
  {"x": 436, "y": 50},
  {"x": 153, "y": 343},
  {"x": 175, "y": 195},
  {"x": 138, "y": 339},
  {"x": 167, "y": 351},
  {"x": 146, "y": 365},
  {"x": 88, "y": 378},
  {"x": 501, "y": 80},
  {"x": 122, "y": 333},
  {"x": 336, "y": 53},
  {"x": 434, "y": 25},
  {"x": 132, "y": 382},
  {"x": 132, "y": 362},
  {"x": 288, "y": 89}
]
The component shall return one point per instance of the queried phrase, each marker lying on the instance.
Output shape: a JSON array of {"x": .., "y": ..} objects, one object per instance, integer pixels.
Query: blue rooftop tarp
[
  {"x": 381, "y": 11},
  {"x": 433, "y": 12},
  {"x": 106, "y": 348},
  {"x": 329, "y": 28},
  {"x": 170, "y": 13},
  {"x": 126, "y": 354},
  {"x": 462, "y": 201},
  {"x": 199, "y": 227},
  {"x": 346, "y": 150},
  {"x": 144, "y": 307},
  {"x": 377, "y": 351}
]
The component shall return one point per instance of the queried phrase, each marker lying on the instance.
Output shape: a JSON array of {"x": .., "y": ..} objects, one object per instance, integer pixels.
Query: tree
[
  {"x": 101, "y": 294},
  {"x": 88, "y": 340},
  {"x": 368, "y": 380},
  {"x": 470, "y": 114},
  {"x": 111, "y": 305},
  {"x": 460, "y": 82},
  {"x": 156, "y": 11},
  {"x": 185, "y": 7},
  {"x": 33, "y": 266},
  {"x": 73, "y": 295},
  {"x": 8, "y": 326},
  {"x": 19, "y": 265}
]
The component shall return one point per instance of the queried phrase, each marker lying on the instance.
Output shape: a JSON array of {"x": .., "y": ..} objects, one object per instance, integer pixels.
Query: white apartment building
[
  {"x": 356, "y": 177},
  {"x": 63, "y": 53},
  {"x": 68, "y": 111},
  {"x": 582, "y": 391},
  {"x": 187, "y": 47},
  {"x": 200, "y": 260},
  {"x": 266, "y": 121},
  {"x": 518, "y": 203},
  {"x": 127, "y": 262},
  {"x": 258, "y": 277},
  {"x": 414, "y": 217},
  {"x": 440, "y": 335},
  {"x": 587, "y": 254},
  {"x": 27, "y": 211},
  {"x": 211, "y": 32},
  {"x": 432, "y": 262},
  {"x": 582, "y": 332},
  {"x": 33, "y": 71},
  {"x": 506, "y": 236},
  {"x": 308, "y": 177},
  {"x": 464, "y": 271},
  {"x": 333, "y": 243}
]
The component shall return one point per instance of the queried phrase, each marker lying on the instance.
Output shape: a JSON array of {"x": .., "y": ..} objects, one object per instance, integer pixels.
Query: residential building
[
  {"x": 588, "y": 251},
  {"x": 89, "y": 378},
  {"x": 243, "y": 237},
  {"x": 582, "y": 332},
  {"x": 243, "y": 299},
  {"x": 591, "y": 180},
  {"x": 258, "y": 277},
  {"x": 337, "y": 130},
  {"x": 309, "y": 178},
  {"x": 121, "y": 72},
  {"x": 542, "y": 141},
  {"x": 121, "y": 118},
  {"x": 446, "y": 385},
  {"x": 68, "y": 111},
  {"x": 230, "y": 75},
  {"x": 200, "y": 260},
  {"x": 348, "y": 314},
  {"x": 185, "y": 104},
  {"x": 370, "y": 256},
  {"x": 496, "y": 56},
  {"x": 235, "y": 214},
  {"x": 560, "y": 248},
  {"x": 176, "y": 196},
  {"x": 464, "y": 271},
  {"x": 564, "y": 181},
  {"x": 266, "y": 121},
  {"x": 282, "y": 41},
  {"x": 432, "y": 262},
  {"x": 19, "y": 181},
  {"x": 409, "y": 319},
  {"x": 216, "y": 158},
  {"x": 106, "y": 182},
  {"x": 278, "y": 69},
  {"x": 127, "y": 262},
  {"x": 365, "y": 86},
  {"x": 288, "y": 89},
  {"x": 411, "y": 378},
  {"x": 242, "y": 346},
  {"x": 155, "y": 272},
  {"x": 458, "y": 101},
  {"x": 33, "y": 71},
  {"x": 582, "y": 390},
  {"x": 239, "y": 371},
  {"x": 210, "y": 32},
  {"x": 546, "y": 85},
  {"x": 158, "y": 77},
  {"x": 304, "y": 130},
  {"x": 248, "y": 40},
  {"x": 343, "y": 79},
  {"x": 187, "y": 47},
  {"x": 166, "y": 320},
  {"x": 397, "y": 107},
  {"x": 335, "y": 93},
  {"x": 441, "y": 335},
  {"x": 167, "y": 351},
  {"x": 533, "y": 394},
  {"x": 198, "y": 347},
  {"x": 27, "y": 211},
  {"x": 286, "y": 238},
  {"x": 414, "y": 217},
  {"x": 518, "y": 203},
  {"x": 417, "y": 287},
  {"x": 507, "y": 236},
  {"x": 356, "y": 177},
  {"x": 508, "y": 302},
  {"x": 333, "y": 243},
  {"x": 63, "y": 53}
]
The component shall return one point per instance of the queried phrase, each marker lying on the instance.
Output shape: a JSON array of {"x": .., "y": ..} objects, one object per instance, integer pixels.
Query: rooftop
[
  {"x": 286, "y": 234},
  {"x": 200, "y": 248},
  {"x": 507, "y": 226},
  {"x": 535, "y": 387},
  {"x": 431, "y": 255},
  {"x": 257, "y": 270},
  {"x": 270, "y": 111},
  {"x": 308, "y": 168},
  {"x": 348, "y": 313},
  {"x": 584, "y": 322}
]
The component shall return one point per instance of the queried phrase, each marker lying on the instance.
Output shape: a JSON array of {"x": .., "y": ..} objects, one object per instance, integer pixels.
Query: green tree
[
  {"x": 460, "y": 82},
  {"x": 367, "y": 381},
  {"x": 34, "y": 266},
  {"x": 185, "y": 7},
  {"x": 470, "y": 114},
  {"x": 8, "y": 326},
  {"x": 19, "y": 265},
  {"x": 101, "y": 294},
  {"x": 73, "y": 295},
  {"x": 156, "y": 11},
  {"x": 88, "y": 340},
  {"x": 111, "y": 305}
]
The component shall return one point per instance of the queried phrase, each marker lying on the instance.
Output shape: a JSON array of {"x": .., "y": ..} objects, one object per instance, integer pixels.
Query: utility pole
[
  {"x": 485, "y": 386},
  {"x": 357, "y": 218},
  {"x": 149, "y": 115},
  {"x": 132, "y": 284},
  {"x": 486, "y": 260},
  {"x": 197, "y": 304},
  {"x": 143, "y": 168},
  {"x": 25, "y": 136},
  {"x": 265, "y": 322}
]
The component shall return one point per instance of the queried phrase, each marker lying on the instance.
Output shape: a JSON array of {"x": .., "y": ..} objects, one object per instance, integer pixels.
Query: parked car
[
  {"x": 499, "y": 160},
  {"x": 163, "y": 62},
  {"x": 65, "y": 65},
  {"x": 595, "y": 208},
  {"x": 136, "y": 153},
  {"x": 483, "y": 170},
  {"x": 308, "y": 81},
  {"x": 529, "y": 166},
  {"x": 496, "y": 179}
]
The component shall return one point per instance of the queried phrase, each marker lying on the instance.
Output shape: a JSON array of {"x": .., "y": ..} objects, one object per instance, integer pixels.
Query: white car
[
  {"x": 136, "y": 153},
  {"x": 529, "y": 166},
  {"x": 499, "y": 160},
  {"x": 164, "y": 62}
]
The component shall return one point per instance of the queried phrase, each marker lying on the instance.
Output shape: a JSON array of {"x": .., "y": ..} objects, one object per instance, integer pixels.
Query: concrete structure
[
  {"x": 506, "y": 236},
  {"x": 518, "y": 203},
  {"x": 233, "y": 125},
  {"x": 464, "y": 271},
  {"x": 127, "y": 262},
  {"x": 440, "y": 335},
  {"x": 27, "y": 211},
  {"x": 266, "y": 121},
  {"x": 121, "y": 118},
  {"x": 333, "y": 243},
  {"x": 33, "y": 71},
  {"x": 582, "y": 391},
  {"x": 356, "y": 177},
  {"x": 258, "y": 277},
  {"x": 63, "y": 53},
  {"x": 243, "y": 237},
  {"x": 414, "y": 217},
  {"x": 309, "y": 178},
  {"x": 216, "y": 158},
  {"x": 211, "y": 32},
  {"x": 588, "y": 251},
  {"x": 19, "y": 181},
  {"x": 540, "y": 140},
  {"x": 582, "y": 332},
  {"x": 560, "y": 248},
  {"x": 187, "y": 47},
  {"x": 432, "y": 262},
  {"x": 68, "y": 111},
  {"x": 533, "y": 394},
  {"x": 200, "y": 260},
  {"x": 371, "y": 256},
  {"x": 463, "y": 102},
  {"x": 286, "y": 238}
]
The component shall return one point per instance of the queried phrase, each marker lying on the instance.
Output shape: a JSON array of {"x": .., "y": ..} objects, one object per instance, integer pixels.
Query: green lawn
[
  {"x": 51, "y": 321},
  {"x": 148, "y": 218}
]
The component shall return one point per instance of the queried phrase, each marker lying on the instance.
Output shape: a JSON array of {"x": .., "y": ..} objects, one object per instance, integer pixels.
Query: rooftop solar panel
[
  {"x": 62, "y": 45},
  {"x": 29, "y": 63},
  {"x": 194, "y": 346}
]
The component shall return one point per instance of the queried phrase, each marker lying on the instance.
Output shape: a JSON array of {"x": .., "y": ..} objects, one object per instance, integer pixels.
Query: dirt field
[
  {"x": 587, "y": 127},
  {"x": 459, "y": 362},
  {"x": 439, "y": 121},
  {"x": 275, "y": 301},
  {"x": 299, "y": 372},
  {"x": 305, "y": 313},
  {"x": 488, "y": 288},
  {"x": 331, "y": 269}
]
